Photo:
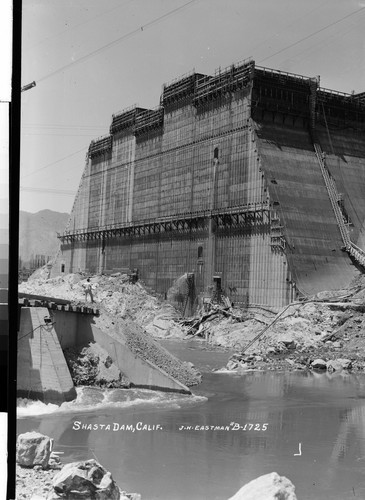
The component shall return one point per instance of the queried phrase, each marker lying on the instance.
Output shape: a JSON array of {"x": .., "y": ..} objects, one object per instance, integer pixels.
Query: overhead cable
[
  {"x": 118, "y": 40},
  {"x": 312, "y": 34},
  {"x": 53, "y": 163}
]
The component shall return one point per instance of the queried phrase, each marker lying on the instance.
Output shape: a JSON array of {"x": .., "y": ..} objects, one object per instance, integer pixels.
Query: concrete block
[{"x": 42, "y": 369}]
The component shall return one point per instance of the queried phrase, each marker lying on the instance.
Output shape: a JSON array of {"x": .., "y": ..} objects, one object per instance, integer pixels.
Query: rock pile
[
  {"x": 92, "y": 365},
  {"x": 125, "y": 309},
  {"x": 116, "y": 295},
  {"x": 327, "y": 326}
]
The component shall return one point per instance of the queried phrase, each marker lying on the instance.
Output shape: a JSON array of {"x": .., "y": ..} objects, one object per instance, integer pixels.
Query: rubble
[
  {"x": 327, "y": 326},
  {"x": 124, "y": 307},
  {"x": 92, "y": 365}
]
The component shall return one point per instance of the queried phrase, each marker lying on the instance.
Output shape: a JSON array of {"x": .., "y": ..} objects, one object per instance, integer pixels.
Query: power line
[
  {"x": 118, "y": 40},
  {"x": 54, "y": 163},
  {"x": 312, "y": 34},
  {"x": 91, "y": 134},
  {"x": 74, "y": 26},
  {"x": 287, "y": 26},
  {"x": 62, "y": 127},
  {"x": 66, "y": 192},
  {"x": 328, "y": 40}
]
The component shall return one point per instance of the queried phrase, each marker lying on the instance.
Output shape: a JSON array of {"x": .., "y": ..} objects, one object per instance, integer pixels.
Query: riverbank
[
  {"x": 32, "y": 481},
  {"x": 326, "y": 327}
]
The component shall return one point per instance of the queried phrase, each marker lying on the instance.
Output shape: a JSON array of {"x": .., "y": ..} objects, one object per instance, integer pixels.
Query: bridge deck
[{"x": 29, "y": 300}]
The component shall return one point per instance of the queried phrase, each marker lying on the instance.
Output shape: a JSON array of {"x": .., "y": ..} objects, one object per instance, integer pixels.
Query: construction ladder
[{"x": 356, "y": 252}]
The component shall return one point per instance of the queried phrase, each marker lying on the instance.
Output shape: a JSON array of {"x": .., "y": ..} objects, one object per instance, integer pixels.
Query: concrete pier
[{"x": 42, "y": 369}]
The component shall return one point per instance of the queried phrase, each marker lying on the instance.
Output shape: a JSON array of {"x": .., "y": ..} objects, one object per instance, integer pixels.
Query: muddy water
[{"x": 310, "y": 428}]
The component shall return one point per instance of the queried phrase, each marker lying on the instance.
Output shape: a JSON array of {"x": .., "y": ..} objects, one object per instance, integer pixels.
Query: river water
[{"x": 307, "y": 427}]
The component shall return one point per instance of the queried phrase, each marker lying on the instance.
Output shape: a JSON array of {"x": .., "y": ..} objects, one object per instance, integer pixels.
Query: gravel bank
[{"x": 34, "y": 481}]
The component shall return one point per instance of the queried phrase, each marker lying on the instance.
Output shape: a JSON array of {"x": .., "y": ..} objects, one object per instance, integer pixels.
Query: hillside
[{"x": 37, "y": 232}]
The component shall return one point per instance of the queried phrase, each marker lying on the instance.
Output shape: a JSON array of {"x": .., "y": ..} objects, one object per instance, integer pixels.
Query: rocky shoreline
[
  {"x": 325, "y": 332},
  {"x": 41, "y": 476}
]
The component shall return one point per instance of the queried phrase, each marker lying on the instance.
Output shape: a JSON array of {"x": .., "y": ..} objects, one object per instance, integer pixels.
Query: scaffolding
[
  {"x": 248, "y": 215},
  {"x": 125, "y": 119},
  {"x": 287, "y": 93},
  {"x": 179, "y": 89},
  {"x": 231, "y": 79},
  {"x": 148, "y": 120},
  {"x": 100, "y": 146},
  {"x": 340, "y": 109}
]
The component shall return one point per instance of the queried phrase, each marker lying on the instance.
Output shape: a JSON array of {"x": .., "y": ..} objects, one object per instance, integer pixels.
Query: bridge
[{"x": 47, "y": 326}]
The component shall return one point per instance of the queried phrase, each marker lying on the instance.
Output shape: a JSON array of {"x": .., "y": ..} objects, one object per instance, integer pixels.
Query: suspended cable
[
  {"x": 329, "y": 40},
  {"x": 118, "y": 40},
  {"x": 49, "y": 126},
  {"x": 49, "y": 190},
  {"x": 91, "y": 134},
  {"x": 312, "y": 34},
  {"x": 26, "y": 49},
  {"x": 287, "y": 26},
  {"x": 54, "y": 163}
]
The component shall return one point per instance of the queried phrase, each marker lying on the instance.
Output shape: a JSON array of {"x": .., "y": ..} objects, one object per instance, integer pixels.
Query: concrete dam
[{"x": 251, "y": 181}]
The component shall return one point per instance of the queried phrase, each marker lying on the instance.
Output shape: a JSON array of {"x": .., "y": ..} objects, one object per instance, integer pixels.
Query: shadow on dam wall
[{"x": 42, "y": 369}]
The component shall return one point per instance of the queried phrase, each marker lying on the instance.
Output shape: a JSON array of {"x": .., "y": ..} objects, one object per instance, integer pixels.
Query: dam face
[{"x": 222, "y": 181}]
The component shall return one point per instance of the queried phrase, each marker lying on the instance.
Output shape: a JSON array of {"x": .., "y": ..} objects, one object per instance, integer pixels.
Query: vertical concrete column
[
  {"x": 211, "y": 250},
  {"x": 131, "y": 180},
  {"x": 42, "y": 371}
]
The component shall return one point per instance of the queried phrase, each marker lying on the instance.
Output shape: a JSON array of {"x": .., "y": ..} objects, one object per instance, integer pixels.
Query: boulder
[
  {"x": 337, "y": 345},
  {"x": 319, "y": 364},
  {"x": 334, "y": 366},
  {"x": 267, "y": 487},
  {"x": 288, "y": 341},
  {"x": 130, "y": 496},
  {"x": 345, "y": 363},
  {"x": 33, "y": 448},
  {"x": 232, "y": 365},
  {"x": 242, "y": 367},
  {"x": 236, "y": 356},
  {"x": 88, "y": 480}
]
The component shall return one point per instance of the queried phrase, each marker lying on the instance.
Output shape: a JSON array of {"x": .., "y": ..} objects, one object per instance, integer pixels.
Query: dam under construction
[{"x": 249, "y": 182}]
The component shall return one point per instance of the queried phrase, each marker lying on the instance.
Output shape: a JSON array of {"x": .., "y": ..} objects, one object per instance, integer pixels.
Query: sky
[{"x": 93, "y": 58}]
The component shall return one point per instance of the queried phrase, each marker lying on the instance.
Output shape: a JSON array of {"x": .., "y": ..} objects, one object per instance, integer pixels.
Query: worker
[{"x": 88, "y": 290}]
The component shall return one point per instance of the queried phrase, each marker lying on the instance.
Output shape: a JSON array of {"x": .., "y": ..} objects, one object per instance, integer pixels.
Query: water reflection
[{"x": 324, "y": 414}]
